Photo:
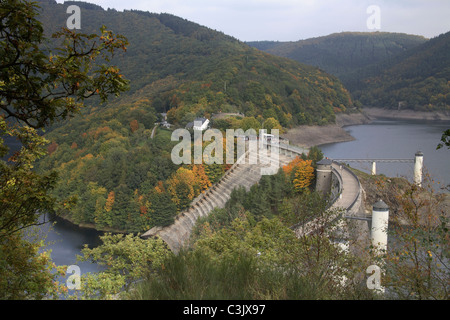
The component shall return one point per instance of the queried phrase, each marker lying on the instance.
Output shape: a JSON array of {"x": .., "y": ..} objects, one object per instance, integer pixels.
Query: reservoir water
[
  {"x": 396, "y": 139},
  {"x": 66, "y": 240},
  {"x": 379, "y": 139}
]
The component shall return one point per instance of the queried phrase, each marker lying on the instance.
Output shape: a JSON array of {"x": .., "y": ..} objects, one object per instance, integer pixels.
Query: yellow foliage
[
  {"x": 304, "y": 175},
  {"x": 110, "y": 201}
]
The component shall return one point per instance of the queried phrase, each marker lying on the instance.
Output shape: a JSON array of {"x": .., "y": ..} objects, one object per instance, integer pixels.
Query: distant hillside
[
  {"x": 418, "y": 79},
  {"x": 388, "y": 70},
  {"x": 342, "y": 53}
]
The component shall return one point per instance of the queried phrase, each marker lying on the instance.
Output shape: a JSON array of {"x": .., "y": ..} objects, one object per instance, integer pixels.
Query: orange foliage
[
  {"x": 200, "y": 177},
  {"x": 110, "y": 201},
  {"x": 292, "y": 165},
  {"x": 143, "y": 209},
  {"x": 97, "y": 132},
  {"x": 159, "y": 188},
  {"x": 52, "y": 147},
  {"x": 304, "y": 174},
  {"x": 134, "y": 125},
  {"x": 182, "y": 175}
]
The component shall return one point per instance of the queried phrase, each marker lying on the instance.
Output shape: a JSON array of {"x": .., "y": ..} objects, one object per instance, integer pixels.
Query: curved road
[{"x": 350, "y": 188}]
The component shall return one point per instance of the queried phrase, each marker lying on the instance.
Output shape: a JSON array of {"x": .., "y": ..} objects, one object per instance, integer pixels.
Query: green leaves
[
  {"x": 127, "y": 258},
  {"x": 445, "y": 139},
  {"x": 41, "y": 85}
]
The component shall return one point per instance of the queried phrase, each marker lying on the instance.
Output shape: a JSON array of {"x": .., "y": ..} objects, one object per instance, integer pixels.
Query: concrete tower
[
  {"x": 323, "y": 178},
  {"x": 418, "y": 168},
  {"x": 380, "y": 220}
]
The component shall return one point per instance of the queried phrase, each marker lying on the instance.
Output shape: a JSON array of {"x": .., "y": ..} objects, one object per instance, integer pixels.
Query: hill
[
  {"x": 123, "y": 178},
  {"x": 417, "y": 79},
  {"x": 342, "y": 53},
  {"x": 387, "y": 70},
  {"x": 178, "y": 64}
]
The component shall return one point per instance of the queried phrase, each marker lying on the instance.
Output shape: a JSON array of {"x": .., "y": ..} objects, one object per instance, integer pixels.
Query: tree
[
  {"x": 200, "y": 176},
  {"x": 304, "y": 175},
  {"x": 39, "y": 86},
  {"x": 248, "y": 260},
  {"x": 416, "y": 264},
  {"x": 315, "y": 154},
  {"x": 291, "y": 166},
  {"x": 126, "y": 258},
  {"x": 163, "y": 209},
  {"x": 250, "y": 123},
  {"x": 445, "y": 139},
  {"x": 182, "y": 186},
  {"x": 272, "y": 123}
]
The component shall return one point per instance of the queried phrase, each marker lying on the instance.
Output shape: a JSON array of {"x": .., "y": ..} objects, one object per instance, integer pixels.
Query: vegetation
[
  {"x": 243, "y": 252},
  {"x": 416, "y": 79},
  {"x": 389, "y": 70},
  {"x": 415, "y": 265},
  {"x": 106, "y": 168},
  {"x": 105, "y": 157},
  {"x": 178, "y": 65},
  {"x": 341, "y": 54},
  {"x": 445, "y": 139},
  {"x": 39, "y": 87},
  {"x": 248, "y": 251},
  {"x": 251, "y": 261}
]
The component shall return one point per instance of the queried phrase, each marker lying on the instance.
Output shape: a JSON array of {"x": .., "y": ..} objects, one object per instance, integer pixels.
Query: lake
[
  {"x": 396, "y": 139},
  {"x": 66, "y": 241}
]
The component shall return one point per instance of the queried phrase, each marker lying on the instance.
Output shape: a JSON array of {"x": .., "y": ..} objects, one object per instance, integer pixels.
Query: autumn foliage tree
[
  {"x": 304, "y": 175},
  {"x": 291, "y": 166},
  {"x": 301, "y": 173},
  {"x": 416, "y": 264},
  {"x": 39, "y": 86}
]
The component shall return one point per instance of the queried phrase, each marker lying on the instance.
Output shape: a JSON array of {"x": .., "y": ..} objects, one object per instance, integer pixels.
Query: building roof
[
  {"x": 193, "y": 123},
  {"x": 325, "y": 161}
]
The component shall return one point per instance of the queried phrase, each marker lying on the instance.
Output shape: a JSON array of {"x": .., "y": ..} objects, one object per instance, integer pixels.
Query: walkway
[
  {"x": 349, "y": 199},
  {"x": 350, "y": 188}
]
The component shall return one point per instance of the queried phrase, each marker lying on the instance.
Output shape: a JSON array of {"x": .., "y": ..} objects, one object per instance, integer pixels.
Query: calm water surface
[{"x": 385, "y": 139}]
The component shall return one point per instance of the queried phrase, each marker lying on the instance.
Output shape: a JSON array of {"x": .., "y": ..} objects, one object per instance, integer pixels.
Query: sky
[{"x": 292, "y": 20}]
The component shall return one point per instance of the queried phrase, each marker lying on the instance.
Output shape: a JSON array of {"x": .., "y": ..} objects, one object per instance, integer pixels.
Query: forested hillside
[
  {"x": 342, "y": 53},
  {"x": 125, "y": 180},
  {"x": 418, "y": 79},
  {"x": 389, "y": 70},
  {"x": 177, "y": 64}
]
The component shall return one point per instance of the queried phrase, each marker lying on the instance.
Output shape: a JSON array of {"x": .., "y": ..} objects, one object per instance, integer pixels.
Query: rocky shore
[
  {"x": 308, "y": 136},
  {"x": 377, "y": 113}
]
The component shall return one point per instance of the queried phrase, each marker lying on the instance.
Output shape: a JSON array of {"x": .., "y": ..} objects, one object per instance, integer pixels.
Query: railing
[
  {"x": 359, "y": 186},
  {"x": 202, "y": 195},
  {"x": 377, "y": 160},
  {"x": 341, "y": 188}
]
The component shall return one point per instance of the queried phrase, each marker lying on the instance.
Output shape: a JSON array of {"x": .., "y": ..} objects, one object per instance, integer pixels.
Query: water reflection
[{"x": 66, "y": 240}]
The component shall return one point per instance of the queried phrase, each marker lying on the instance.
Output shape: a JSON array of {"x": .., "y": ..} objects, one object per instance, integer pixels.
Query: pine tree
[{"x": 162, "y": 208}]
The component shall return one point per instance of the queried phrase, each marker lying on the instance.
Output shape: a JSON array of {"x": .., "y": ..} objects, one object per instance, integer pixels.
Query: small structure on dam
[{"x": 323, "y": 176}]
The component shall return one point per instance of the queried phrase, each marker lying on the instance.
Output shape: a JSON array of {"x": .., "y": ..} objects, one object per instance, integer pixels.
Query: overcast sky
[{"x": 291, "y": 20}]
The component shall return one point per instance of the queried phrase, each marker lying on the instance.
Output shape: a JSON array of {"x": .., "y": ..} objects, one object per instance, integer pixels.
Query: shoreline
[
  {"x": 309, "y": 136},
  {"x": 380, "y": 113}
]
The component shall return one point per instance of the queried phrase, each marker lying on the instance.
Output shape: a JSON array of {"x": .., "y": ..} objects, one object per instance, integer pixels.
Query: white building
[{"x": 200, "y": 124}]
